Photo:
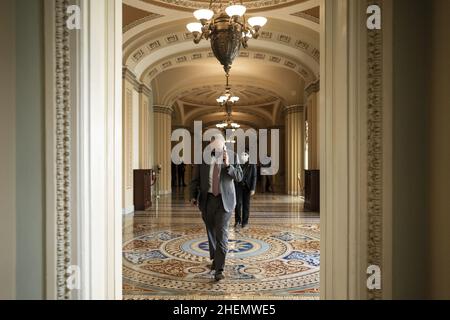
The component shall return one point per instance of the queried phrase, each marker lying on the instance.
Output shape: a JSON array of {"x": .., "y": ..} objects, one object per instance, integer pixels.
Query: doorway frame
[{"x": 347, "y": 242}]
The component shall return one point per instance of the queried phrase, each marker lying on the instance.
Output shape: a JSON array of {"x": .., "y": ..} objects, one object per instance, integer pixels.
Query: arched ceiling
[
  {"x": 272, "y": 72},
  {"x": 252, "y": 5}
]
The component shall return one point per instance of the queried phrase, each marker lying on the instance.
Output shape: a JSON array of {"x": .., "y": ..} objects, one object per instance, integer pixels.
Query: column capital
[
  {"x": 145, "y": 90},
  {"x": 313, "y": 87},
  {"x": 296, "y": 108},
  {"x": 129, "y": 76},
  {"x": 163, "y": 109}
]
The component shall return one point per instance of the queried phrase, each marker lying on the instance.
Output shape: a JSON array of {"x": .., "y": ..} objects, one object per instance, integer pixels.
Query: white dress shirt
[{"x": 211, "y": 172}]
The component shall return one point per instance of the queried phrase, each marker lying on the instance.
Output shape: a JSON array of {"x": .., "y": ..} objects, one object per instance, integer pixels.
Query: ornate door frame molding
[
  {"x": 84, "y": 74},
  {"x": 356, "y": 141}
]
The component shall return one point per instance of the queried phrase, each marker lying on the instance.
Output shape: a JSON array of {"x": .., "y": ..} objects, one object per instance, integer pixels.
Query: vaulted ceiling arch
[
  {"x": 289, "y": 47},
  {"x": 271, "y": 73},
  {"x": 170, "y": 85},
  {"x": 198, "y": 57}
]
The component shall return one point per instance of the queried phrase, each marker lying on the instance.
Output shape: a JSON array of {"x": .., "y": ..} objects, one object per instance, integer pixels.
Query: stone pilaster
[
  {"x": 294, "y": 138},
  {"x": 163, "y": 145},
  {"x": 146, "y": 127},
  {"x": 312, "y": 116}
]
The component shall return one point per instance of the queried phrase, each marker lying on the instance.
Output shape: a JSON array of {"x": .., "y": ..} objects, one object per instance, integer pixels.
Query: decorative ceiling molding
[
  {"x": 181, "y": 95},
  {"x": 150, "y": 17},
  {"x": 259, "y": 96},
  {"x": 134, "y": 57},
  {"x": 306, "y": 16},
  {"x": 265, "y": 113},
  {"x": 260, "y": 56},
  {"x": 252, "y": 5},
  {"x": 249, "y": 117},
  {"x": 169, "y": 15}
]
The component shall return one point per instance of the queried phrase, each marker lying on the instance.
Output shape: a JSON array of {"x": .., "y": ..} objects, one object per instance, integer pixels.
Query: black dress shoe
[{"x": 219, "y": 276}]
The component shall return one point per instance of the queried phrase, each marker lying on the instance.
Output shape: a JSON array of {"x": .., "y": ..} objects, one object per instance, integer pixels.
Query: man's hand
[
  {"x": 194, "y": 202},
  {"x": 252, "y": 193},
  {"x": 226, "y": 160}
]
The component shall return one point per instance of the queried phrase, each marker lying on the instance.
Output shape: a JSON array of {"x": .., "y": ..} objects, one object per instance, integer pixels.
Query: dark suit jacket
[
  {"x": 200, "y": 185},
  {"x": 249, "y": 176}
]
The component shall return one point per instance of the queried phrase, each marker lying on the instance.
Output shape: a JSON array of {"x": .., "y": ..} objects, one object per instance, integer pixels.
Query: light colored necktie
[{"x": 215, "y": 180}]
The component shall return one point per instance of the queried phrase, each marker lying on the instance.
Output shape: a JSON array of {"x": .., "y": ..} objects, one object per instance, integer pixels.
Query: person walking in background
[
  {"x": 181, "y": 173},
  {"x": 212, "y": 190},
  {"x": 245, "y": 190},
  {"x": 267, "y": 179},
  {"x": 174, "y": 169}
]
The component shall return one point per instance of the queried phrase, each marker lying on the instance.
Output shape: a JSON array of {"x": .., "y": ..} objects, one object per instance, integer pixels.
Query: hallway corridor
[{"x": 165, "y": 253}]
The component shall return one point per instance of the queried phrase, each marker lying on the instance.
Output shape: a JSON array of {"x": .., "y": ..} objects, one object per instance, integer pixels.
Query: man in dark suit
[
  {"x": 174, "y": 170},
  {"x": 212, "y": 190},
  {"x": 245, "y": 190},
  {"x": 181, "y": 172}
]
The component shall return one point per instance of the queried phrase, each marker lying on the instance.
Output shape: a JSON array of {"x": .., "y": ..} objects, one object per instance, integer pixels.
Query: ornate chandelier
[
  {"x": 227, "y": 28},
  {"x": 228, "y": 124},
  {"x": 227, "y": 98}
]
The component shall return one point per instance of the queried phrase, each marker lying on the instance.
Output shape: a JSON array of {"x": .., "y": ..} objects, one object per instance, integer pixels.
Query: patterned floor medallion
[{"x": 277, "y": 257}]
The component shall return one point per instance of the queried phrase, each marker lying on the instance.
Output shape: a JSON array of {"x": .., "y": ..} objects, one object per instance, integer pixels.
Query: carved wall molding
[
  {"x": 145, "y": 90},
  {"x": 63, "y": 150},
  {"x": 137, "y": 85},
  {"x": 129, "y": 76},
  {"x": 375, "y": 148}
]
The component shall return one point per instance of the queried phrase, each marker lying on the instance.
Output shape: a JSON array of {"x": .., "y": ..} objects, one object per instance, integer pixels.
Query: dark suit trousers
[
  {"x": 243, "y": 204},
  {"x": 216, "y": 221}
]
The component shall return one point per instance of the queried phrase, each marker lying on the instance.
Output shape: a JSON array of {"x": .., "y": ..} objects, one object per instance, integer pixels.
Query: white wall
[
  {"x": 30, "y": 149},
  {"x": 8, "y": 151}
]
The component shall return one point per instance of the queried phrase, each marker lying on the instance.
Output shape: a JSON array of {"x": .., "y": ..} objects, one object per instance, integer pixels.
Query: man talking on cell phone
[{"x": 212, "y": 190}]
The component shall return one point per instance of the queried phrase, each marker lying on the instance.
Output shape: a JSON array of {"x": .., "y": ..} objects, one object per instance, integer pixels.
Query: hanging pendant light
[{"x": 227, "y": 29}]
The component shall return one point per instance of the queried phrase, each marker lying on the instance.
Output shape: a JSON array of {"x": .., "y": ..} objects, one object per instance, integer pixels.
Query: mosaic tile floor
[{"x": 165, "y": 253}]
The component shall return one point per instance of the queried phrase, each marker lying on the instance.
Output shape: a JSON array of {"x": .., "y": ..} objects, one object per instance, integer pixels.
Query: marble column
[
  {"x": 163, "y": 131},
  {"x": 277, "y": 181},
  {"x": 312, "y": 116},
  {"x": 294, "y": 147},
  {"x": 130, "y": 160},
  {"x": 146, "y": 128}
]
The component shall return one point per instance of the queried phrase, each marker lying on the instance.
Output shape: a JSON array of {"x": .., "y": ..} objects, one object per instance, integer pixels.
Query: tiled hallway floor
[{"x": 165, "y": 253}]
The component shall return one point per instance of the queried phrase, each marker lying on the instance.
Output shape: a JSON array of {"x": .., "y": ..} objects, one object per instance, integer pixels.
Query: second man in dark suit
[{"x": 244, "y": 191}]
